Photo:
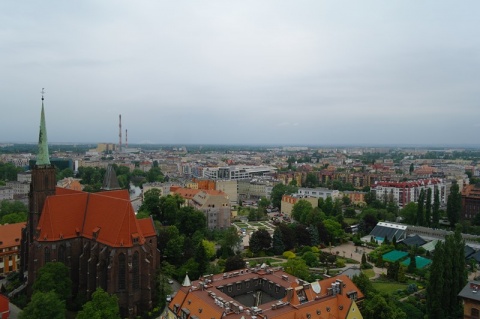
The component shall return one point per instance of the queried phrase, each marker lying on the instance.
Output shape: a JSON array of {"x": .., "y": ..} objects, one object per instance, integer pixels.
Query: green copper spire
[{"x": 43, "y": 157}]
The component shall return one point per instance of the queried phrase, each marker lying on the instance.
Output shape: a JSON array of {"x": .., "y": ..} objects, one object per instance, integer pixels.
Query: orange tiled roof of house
[
  {"x": 332, "y": 298},
  {"x": 11, "y": 234},
  {"x": 106, "y": 216},
  {"x": 186, "y": 193}
]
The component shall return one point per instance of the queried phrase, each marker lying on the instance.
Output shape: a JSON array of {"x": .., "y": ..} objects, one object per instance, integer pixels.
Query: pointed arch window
[
  {"x": 47, "y": 256},
  {"x": 475, "y": 313},
  {"x": 122, "y": 269},
  {"x": 61, "y": 254},
  {"x": 136, "y": 270}
]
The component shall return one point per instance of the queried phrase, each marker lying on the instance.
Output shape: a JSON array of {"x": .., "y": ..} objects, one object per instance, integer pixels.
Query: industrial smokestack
[
  {"x": 126, "y": 138},
  {"x": 120, "y": 132}
]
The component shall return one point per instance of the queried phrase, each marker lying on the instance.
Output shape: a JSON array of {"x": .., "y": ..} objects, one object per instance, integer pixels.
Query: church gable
[{"x": 111, "y": 221}]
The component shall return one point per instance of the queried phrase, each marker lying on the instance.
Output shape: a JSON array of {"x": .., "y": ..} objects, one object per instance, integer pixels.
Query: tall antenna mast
[
  {"x": 120, "y": 132},
  {"x": 126, "y": 138}
]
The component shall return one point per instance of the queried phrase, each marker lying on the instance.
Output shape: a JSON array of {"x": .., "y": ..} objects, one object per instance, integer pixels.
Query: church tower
[{"x": 43, "y": 179}]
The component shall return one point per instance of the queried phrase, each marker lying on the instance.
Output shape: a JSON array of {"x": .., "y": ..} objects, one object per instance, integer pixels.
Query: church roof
[
  {"x": 110, "y": 182},
  {"x": 107, "y": 217},
  {"x": 43, "y": 158}
]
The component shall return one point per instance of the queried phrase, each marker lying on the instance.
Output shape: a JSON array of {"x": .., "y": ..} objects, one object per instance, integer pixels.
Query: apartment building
[
  {"x": 408, "y": 191},
  {"x": 10, "y": 241}
]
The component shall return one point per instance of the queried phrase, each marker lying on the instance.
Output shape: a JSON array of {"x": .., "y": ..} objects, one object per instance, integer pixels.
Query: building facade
[
  {"x": 406, "y": 192},
  {"x": 470, "y": 202},
  {"x": 10, "y": 243}
]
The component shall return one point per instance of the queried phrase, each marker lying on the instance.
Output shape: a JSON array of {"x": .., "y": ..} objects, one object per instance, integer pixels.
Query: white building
[
  {"x": 406, "y": 192},
  {"x": 237, "y": 172},
  {"x": 318, "y": 192}
]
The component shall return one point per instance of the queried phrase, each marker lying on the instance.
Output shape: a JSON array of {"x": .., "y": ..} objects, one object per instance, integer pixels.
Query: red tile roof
[
  {"x": 203, "y": 303},
  {"x": 11, "y": 234},
  {"x": 106, "y": 216}
]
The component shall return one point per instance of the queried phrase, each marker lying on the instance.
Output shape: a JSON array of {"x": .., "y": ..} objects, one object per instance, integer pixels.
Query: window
[
  {"x": 136, "y": 271},
  {"x": 121, "y": 271},
  {"x": 61, "y": 254},
  {"x": 47, "y": 254},
  {"x": 475, "y": 313}
]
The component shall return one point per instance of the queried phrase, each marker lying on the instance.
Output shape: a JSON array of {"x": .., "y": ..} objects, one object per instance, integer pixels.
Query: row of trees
[{"x": 448, "y": 276}]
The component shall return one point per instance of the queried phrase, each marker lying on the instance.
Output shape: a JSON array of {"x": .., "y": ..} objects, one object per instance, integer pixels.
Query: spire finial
[{"x": 43, "y": 92}]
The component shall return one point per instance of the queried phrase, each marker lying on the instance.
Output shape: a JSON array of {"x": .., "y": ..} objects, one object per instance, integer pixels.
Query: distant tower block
[
  {"x": 126, "y": 138},
  {"x": 120, "y": 132}
]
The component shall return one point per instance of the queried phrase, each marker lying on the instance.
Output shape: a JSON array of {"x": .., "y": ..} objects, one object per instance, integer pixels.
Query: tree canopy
[{"x": 102, "y": 306}]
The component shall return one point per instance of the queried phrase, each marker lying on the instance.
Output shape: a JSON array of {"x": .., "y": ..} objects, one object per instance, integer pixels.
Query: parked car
[{"x": 170, "y": 281}]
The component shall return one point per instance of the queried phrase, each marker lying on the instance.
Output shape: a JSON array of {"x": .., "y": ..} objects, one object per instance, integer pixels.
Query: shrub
[{"x": 289, "y": 254}]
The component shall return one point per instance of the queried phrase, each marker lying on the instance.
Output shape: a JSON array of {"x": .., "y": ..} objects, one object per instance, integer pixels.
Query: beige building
[
  {"x": 229, "y": 187},
  {"x": 288, "y": 201},
  {"x": 215, "y": 205}
]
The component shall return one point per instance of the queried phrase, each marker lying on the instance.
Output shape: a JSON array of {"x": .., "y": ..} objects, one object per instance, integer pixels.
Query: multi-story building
[
  {"x": 24, "y": 177},
  {"x": 6, "y": 193},
  {"x": 214, "y": 204},
  {"x": 406, "y": 192},
  {"x": 19, "y": 188},
  {"x": 470, "y": 202},
  {"x": 255, "y": 188},
  {"x": 318, "y": 193},
  {"x": 265, "y": 293},
  {"x": 10, "y": 235},
  {"x": 237, "y": 172}
]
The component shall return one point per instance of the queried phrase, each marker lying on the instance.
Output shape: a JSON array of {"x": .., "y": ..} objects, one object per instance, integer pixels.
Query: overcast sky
[{"x": 242, "y": 72}]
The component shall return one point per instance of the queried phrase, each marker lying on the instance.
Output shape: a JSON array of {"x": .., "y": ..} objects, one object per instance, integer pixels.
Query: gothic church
[{"x": 96, "y": 235}]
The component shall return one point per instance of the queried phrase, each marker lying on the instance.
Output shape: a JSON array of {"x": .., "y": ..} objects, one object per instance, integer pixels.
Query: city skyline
[{"x": 269, "y": 73}]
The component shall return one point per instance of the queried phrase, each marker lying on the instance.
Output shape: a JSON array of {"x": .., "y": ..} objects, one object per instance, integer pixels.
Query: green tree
[
  {"x": 278, "y": 191},
  {"x": 277, "y": 242},
  {"x": 102, "y": 306},
  {"x": 297, "y": 267},
  {"x": 151, "y": 203},
  {"x": 412, "y": 167},
  {"x": 454, "y": 204},
  {"x": 234, "y": 263},
  {"x": 420, "y": 209},
  {"x": 428, "y": 208},
  {"x": 201, "y": 258},
  {"x": 44, "y": 305},
  {"x": 301, "y": 209},
  {"x": 229, "y": 241},
  {"x": 13, "y": 218},
  {"x": 377, "y": 307},
  {"x": 311, "y": 180},
  {"x": 190, "y": 220},
  {"x": 436, "y": 208},
  {"x": 364, "y": 284},
  {"x": 310, "y": 259},
  {"x": 54, "y": 276},
  {"x": 260, "y": 241},
  {"x": 409, "y": 213},
  {"x": 328, "y": 206}
]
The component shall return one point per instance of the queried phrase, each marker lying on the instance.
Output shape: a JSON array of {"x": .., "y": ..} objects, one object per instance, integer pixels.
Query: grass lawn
[
  {"x": 351, "y": 221},
  {"x": 369, "y": 273},
  {"x": 388, "y": 287}
]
